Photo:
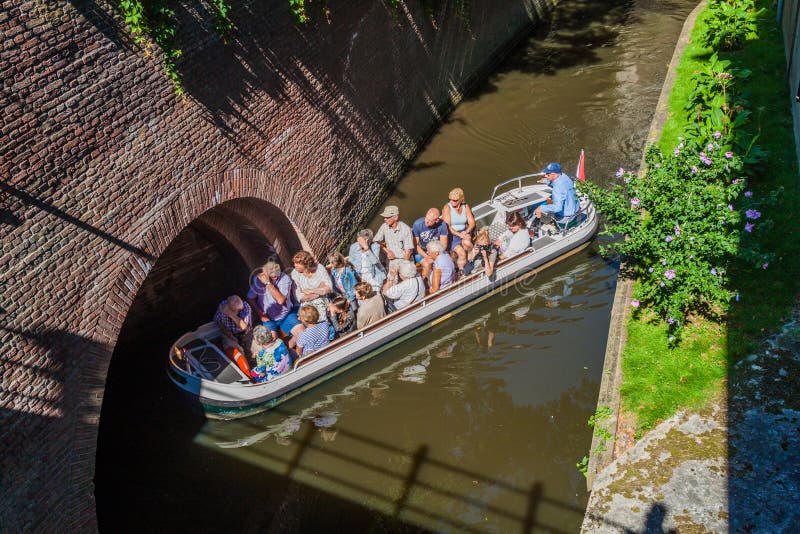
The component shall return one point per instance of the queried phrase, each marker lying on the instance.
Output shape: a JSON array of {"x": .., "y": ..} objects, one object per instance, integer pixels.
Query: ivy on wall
[{"x": 154, "y": 22}]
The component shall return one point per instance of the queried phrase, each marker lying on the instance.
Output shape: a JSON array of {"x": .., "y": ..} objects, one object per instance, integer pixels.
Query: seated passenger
[
  {"x": 460, "y": 222},
  {"x": 233, "y": 316},
  {"x": 312, "y": 282},
  {"x": 406, "y": 289},
  {"x": 443, "y": 271},
  {"x": 398, "y": 242},
  {"x": 427, "y": 229},
  {"x": 483, "y": 254},
  {"x": 270, "y": 296},
  {"x": 514, "y": 240},
  {"x": 365, "y": 259},
  {"x": 564, "y": 200},
  {"x": 370, "y": 307},
  {"x": 340, "y": 316},
  {"x": 316, "y": 334},
  {"x": 271, "y": 355},
  {"x": 343, "y": 278}
]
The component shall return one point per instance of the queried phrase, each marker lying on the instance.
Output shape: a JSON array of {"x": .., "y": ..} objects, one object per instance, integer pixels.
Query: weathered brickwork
[{"x": 102, "y": 166}]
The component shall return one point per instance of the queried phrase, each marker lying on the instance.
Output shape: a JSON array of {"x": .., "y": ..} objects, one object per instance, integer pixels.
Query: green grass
[{"x": 659, "y": 380}]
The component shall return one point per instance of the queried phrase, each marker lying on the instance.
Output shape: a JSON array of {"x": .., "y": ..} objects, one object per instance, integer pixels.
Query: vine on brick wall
[
  {"x": 156, "y": 20},
  {"x": 153, "y": 21}
]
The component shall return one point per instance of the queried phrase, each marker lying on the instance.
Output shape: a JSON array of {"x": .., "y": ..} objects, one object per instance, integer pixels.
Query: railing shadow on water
[{"x": 413, "y": 492}]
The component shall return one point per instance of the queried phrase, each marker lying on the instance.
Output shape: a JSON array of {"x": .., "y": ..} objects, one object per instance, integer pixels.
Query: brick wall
[{"x": 102, "y": 166}]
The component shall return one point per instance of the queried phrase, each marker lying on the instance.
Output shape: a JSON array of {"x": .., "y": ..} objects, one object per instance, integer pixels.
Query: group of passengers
[{"x": 289, "y": 315}]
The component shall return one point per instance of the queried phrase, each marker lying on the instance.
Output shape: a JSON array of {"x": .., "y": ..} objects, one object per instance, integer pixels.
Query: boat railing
[{"x": 518, "y": 179}]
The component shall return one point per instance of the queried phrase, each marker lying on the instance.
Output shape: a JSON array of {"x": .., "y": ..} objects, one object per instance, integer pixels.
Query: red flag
[{"x": 580, "y": 172}]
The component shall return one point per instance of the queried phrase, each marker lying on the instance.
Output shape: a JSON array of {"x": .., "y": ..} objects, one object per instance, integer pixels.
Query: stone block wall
[{"x": 102, "y": 166}]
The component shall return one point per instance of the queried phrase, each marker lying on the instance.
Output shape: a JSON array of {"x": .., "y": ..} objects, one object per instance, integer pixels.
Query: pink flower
[
  {"x": 677, "y": 230},
  {"x": 620, "y": 172},
  {"x": 669, "y": 274},
  {"x": 714, "y": 271},
  {"x": 677, "y": 151},
  {"x": 635, "y": 202},
  {"x": 664, "y": 262},
  {"x": 635, "y": 303},
  {"x": 695, "y": 170},
  {"x": 668, "y": 238},
  {"x": 710, "y": 147},
  {"x": 765, "y": 265},
  {"x": 730, "y": 207},
  {"x": 749, "y": 227},
  {"x": 717, "y": 134},
  {"x": 729, "y": 154},
  {"x": 748, "y": 194}
]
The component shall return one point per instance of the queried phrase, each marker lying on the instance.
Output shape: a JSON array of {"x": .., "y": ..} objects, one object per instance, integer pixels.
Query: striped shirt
[{"x": 314, "y": 337}]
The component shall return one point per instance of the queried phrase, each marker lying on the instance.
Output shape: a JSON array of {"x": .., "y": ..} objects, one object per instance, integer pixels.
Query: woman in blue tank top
[{"x": 460, "y": 221}]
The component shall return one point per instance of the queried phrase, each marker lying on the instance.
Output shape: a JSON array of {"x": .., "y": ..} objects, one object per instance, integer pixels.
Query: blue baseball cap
[{"x": 552, "y": 167}]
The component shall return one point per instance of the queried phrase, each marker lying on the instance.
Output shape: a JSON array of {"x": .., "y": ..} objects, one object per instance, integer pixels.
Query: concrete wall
[
  {"x": 790, "y": 24},
  {"x": 102, "y": 166}
]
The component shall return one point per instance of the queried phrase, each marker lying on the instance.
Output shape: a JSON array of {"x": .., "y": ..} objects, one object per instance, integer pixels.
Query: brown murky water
[{"x": 477, "y": 424}]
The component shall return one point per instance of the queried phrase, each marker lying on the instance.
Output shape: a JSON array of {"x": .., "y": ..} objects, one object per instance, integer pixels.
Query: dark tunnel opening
[{"x": 146, "y": 424}]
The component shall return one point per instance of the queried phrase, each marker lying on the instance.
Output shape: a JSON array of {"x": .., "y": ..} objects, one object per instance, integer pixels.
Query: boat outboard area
[{"x": 220, "y": 376}]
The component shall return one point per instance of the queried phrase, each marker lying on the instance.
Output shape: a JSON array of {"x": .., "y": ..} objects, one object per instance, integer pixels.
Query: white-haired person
[
  {"x": 270, "y": 296},
  {"x": 403, "y": 286},
  {"x": 443, "y": 270},
  {"x": 234, "y": 318},
  {"x": 365, "y": 259}
]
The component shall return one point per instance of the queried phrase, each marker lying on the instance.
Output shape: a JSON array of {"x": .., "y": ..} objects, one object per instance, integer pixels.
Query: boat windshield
[{"x": 485, "y": 220}]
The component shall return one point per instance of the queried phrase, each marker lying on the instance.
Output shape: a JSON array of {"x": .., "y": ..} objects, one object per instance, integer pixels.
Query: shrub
[{"x": 731, "y": 23}]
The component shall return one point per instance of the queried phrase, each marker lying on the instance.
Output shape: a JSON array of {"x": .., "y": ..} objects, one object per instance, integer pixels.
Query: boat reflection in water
[{"x": 479, "y": 475}]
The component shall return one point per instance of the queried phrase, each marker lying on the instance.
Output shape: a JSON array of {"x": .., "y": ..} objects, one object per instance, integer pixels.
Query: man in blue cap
[{"x": 565, "y": 202}]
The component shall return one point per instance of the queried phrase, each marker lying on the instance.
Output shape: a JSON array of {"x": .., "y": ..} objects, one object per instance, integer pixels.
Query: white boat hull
[{"x": 239, "y": 399}]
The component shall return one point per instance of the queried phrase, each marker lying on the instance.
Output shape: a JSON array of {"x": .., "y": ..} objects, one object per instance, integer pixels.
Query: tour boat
[{"x": 198, "y": 364}]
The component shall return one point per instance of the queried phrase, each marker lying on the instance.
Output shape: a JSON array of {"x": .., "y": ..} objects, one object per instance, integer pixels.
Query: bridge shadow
[
  {"x": 30, "y": 200},
  {"x": 43, "y": 393}
]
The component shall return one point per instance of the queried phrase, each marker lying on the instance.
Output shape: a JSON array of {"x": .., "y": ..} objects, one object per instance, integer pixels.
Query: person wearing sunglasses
[{"x": 461, "y": 222}]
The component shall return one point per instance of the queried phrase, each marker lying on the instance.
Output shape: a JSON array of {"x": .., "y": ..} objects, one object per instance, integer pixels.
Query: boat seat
[
  {"x": 570, "y": 222},
  {"x": 219, "y": 367}
]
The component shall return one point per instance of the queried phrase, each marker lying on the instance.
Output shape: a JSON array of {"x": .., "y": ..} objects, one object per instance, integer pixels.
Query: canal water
[{"x": 475, "y": 425}]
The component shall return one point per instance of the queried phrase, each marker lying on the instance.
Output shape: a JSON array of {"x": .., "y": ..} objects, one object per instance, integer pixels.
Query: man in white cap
[
  {"x": 565, "y": 202},
  {"x": 395, "y": 236}
]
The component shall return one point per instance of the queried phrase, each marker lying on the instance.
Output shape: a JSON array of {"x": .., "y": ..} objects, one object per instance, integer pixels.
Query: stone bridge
[{"x": 116, "y": 193}]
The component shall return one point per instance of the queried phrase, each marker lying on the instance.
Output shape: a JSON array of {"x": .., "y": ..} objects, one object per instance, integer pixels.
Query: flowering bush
[
  {"x": 731, "y": 23},
  {"x": 684, "y": 225}
]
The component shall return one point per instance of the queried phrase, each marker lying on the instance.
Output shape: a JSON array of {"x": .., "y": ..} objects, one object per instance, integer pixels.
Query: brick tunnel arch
[
  {"x": 212, "y": 257},
  {"x": 216, "y": 231}
]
